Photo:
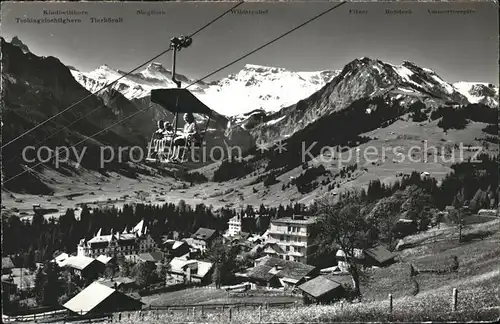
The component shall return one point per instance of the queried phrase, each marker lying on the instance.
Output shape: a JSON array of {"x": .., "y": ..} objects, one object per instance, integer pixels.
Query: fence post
[
  {"x": 390, "y": 303},
  {"x": 202, "y": 311},
  {"x": 230, "y": 314},
  {"x": 194, "y": 313},
  {"x": 455, "y": 299},
  {"x": 119, "y": 317},
  {"x": 260, "y": 314},
  {"x": 296, "y": 304}
]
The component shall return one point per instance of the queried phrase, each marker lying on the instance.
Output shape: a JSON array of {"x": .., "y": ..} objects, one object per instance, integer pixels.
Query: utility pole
[{"x": 460, "y": 224}]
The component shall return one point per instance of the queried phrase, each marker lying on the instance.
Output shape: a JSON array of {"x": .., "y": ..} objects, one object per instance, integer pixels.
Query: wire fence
[{"x": 117, "y": 315}]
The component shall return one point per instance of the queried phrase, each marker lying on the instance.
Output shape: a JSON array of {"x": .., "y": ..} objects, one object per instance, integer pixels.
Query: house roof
[
  {"x": 273, "y": 248},
  {"x": 120, "y": 237},
  {"x": 153, "y": 256},
  {"x": 61, "y": 259},
  {"x": 79, "y": 262},
  {"x": 203, "y": 234},
  {"x": 297, "y": 220},
  {"x": 178, "y": 265},
  {"x": 89, "y": 298},
  {"x": 319, "y": 286},
  {"x": 173, "y": 244},
  {"x": 7, "y": 263},
  {"x": 380, "y": 253},
  {"x": 287, "y": 269},
  {"x": 261, "y": 272},
  {"x": 119, "y": 281},
  {"x": 244, "y": 235},
  {"x": 104, "y": 258},
  {"x": 342, "y": 279}
]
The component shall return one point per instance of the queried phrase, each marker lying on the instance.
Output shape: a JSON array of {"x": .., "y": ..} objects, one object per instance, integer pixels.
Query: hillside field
[{"x": 477, "y": 280}]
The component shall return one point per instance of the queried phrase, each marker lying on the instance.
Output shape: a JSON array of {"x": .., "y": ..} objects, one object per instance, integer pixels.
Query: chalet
[
  {"x": 270, "y": 271},
  {"x": 405, "y": 226},
  {"x": 61, "y": 259},
  {"x": 153, "y": 257},
  {"x": 190, "y": 271},
  {"x": 203, "y": 238},
  {"x": 488, "y": 212},
  {"x": 321, "y": 290},
  {"x": 100, "y": 299},
  {"x": 7, "y": 265},
  {"x": 378, "y": 256},
  {"x": 105, "y": 259},
  {"x": 175, "y": 248},
  {"x": 263, "y": 276},
  {"x": 84, "y": 267}
]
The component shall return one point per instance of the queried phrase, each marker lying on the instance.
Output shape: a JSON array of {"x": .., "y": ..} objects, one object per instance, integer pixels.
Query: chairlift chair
[{"x": 177, "y": 101}]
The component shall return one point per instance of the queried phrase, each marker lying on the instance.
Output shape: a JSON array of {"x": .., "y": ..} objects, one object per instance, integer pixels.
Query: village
[{"x": 277, "y": 262}]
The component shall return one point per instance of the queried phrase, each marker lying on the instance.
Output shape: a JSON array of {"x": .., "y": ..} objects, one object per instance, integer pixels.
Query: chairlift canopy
[{"x": 179, "y": 100}]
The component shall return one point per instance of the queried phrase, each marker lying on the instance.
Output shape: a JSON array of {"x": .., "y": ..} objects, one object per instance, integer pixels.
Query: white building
[
  {"x": 290, "y": 238},
  {"x": 234, "y": 226},
  {"x": 126, "y": 243}
]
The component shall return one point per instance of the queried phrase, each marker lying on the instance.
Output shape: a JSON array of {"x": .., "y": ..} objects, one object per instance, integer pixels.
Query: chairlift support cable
[
  {"x": 115, "y": 81},
  {"x": 82, "y": 141},
  {"x": 268, "y": 43},
  {"x": 246, "y": 55}
]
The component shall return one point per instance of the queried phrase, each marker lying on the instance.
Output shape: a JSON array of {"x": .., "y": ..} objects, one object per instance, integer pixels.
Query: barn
[
  {"x": 101, "y": 299},
  {"x": 321, "y": 290}
]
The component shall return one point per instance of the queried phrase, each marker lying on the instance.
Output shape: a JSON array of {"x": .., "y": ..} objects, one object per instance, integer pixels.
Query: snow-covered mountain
[
  {"x": 477, "y": 92},
  {"x": 134, "y": 86},
  {"x": 264, "y": 88},
  {"x": 278, "y": 102},
  {"x": 362, "y": 78},
  {"x": 254, "y": 87}
]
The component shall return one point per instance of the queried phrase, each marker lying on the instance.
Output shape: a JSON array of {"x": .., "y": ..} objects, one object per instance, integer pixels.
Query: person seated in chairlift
[
  {"x": 160, "y": 131},
  {"x": 168, "y": 131},
  {"x": 190, "y": 135}
]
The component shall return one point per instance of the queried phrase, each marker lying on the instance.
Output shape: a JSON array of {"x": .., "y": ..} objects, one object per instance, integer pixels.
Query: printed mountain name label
[
  {"x": 150, "y": 12},
  {"x": 357, "y": 12},
  {"x": 106, "y": 20},
  {"x": 398, "y": 11}
]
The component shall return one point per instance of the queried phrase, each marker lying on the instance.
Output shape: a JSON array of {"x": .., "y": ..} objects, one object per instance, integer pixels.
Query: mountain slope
[
  {"x": 262, "y": 88},
  {"x": 477, "y": 92},
  {"x": 134, "y": 86},
  {"x": 37, "y": 88},
  {"x": 362, "y": 78},
  {"x": 254, "y": 87}
]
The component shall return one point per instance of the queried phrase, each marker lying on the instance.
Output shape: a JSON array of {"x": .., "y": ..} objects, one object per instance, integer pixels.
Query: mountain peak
[
  {"x": 156, "y": 66},
  {"x": 262, "y": 68},
  {"x": 17, "y": 42},
  {"x": 103, "y": 67}
]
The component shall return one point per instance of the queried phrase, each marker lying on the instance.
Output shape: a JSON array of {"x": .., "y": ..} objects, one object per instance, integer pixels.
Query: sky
[{"x": 459, "y": 47}]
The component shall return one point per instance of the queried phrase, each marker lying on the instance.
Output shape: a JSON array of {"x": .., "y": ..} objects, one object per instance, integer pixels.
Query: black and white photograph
[{"x": 250, "y": 162}]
